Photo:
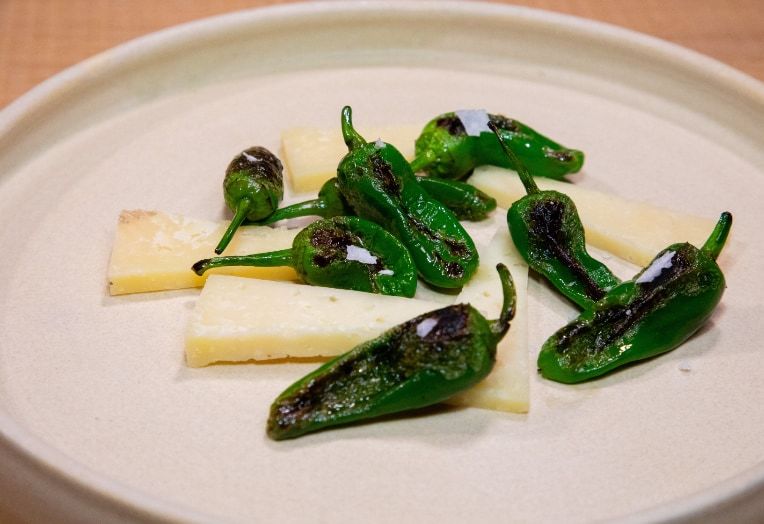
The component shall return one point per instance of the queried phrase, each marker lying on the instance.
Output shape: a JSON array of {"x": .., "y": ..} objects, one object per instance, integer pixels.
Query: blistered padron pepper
[
  {"x": 466, "y": 201},
  {"x": 452, "y": 145},
  {"x": 415, "y": 364},
  {"x": 341, "y": 252},
  {"x": 655, "y": 312},
  {"x": 548, "y": 233},
  {"x": 379, "y": 185},
  {"x": 253, "y": 187}
]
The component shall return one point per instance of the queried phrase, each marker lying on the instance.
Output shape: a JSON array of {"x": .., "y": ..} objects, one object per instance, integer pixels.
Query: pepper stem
[
  {"x": 308, "y": 208},
  {"x": 500, "y": 326},
  {"x": 270, "y": 259},
  {"x": 716, "y": 241},
  {"x": 525, "y": 176},
  {"x": 352, "y": 139},
  {"x": 242, "y": 210},
  {"x": 422, "y": 162}
]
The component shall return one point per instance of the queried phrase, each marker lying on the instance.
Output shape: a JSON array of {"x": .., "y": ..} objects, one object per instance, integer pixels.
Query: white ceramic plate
[{"x": 99, "y": 417}]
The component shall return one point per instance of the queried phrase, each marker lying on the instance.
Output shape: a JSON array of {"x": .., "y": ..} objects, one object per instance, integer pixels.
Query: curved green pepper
[
  {"x": 379, "y": 185},
  {"x": 548, "y": 233},
  {"x": 415, "y": 364},
  {"x": 452, "y": 145},
  {"x": 253, "y": 187},
  {"x": 659, "y": 309},
  {"x": 340, "y": 252},
  {"x": 466, "y": 201}
]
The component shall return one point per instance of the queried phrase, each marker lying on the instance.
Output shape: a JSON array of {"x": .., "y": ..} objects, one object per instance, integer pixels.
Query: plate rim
[{"x": 72, "y": 478}]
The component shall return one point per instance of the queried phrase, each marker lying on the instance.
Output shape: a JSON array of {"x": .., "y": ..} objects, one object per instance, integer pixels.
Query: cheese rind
[
  {"x": 312, "y": 154},
  {"x": 507, "y": 388},
  {"x": 154, "y": 251},
  {"x": 633, "y": 231},
  {"x": 239, "y": 319}
]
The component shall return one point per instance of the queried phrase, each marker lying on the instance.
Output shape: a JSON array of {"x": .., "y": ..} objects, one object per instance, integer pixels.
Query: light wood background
[{"x": 39, "y": 38}]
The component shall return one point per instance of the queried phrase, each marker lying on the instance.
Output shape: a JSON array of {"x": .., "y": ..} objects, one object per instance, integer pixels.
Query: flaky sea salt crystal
[
  {"x": 475, "y": 121},
  {"x": 359, "y": 254},
  {"x": 657, "y": 266},
  {"x": 425, "y": 326}
]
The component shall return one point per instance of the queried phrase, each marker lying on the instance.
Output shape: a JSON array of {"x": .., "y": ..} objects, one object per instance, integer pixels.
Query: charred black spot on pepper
[
  {"x": 452, "y": 323},
  {"x": 452, "y": 269},
  {"x": 457, "y": 247},
  {"x": 383, "y": 172},
  {"x": 547, "y": 224},
  {"x": 261, "y": 161},
  {"x": 560, "y": 156},
  {"x": 332, "y": 242},
  {"x": 504, "y": 123},
  {"x": 452, "y": 124}
]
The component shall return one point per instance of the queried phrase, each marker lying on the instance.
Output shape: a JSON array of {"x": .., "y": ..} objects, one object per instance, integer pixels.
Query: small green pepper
[
  {"x": 253, "y": 187},
  {"x": 452, "y": 145},
  {"x": 466, "y": 201},
  {"x": 340, "y": 252},
  {"x": 655, "y": 312},
  {"x": 379, "y": 185},
  {"x": 415, "y": 364},
  {"x": 548, "y": 233}
]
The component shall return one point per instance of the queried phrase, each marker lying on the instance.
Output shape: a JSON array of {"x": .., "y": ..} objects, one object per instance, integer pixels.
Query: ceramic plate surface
[{"x": 101, "y": 420}]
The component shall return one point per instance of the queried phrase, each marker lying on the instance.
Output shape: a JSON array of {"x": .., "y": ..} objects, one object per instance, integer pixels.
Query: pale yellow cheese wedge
[
  {"x": 239, "y": 319},
  {"x": 507, "y": 387},
  {"x": 312, "y": 154},
  {"x": 154, "y": 251},
  {"x": 633, "y": 231}
]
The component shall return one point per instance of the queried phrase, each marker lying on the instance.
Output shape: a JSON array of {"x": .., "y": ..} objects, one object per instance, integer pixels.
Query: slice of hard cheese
[
  {"x": 312, "y": 154},
  {"x": 507, "y": 387},
  {"x": 238, "y": 319},
  {"x": 154, "y": 251},
  {"x": 633, "y": 231}
]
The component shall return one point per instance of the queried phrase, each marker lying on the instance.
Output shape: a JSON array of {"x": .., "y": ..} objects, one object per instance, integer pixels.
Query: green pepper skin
[
  {"x": 655, "y": 312},
  {"x": 379, "y": 185},
  {"x": 444, "y": 149},
  {"x": 415, "y": 364},
  {"x": 320, "y": 252},
  {"x": 466, "y": 201},
  {"x": 547, "y": 231},
  {"x": 252, "y": 188}
]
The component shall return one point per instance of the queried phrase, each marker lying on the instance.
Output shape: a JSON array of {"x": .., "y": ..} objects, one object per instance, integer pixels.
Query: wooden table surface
[{"x": 39, "y": 38}]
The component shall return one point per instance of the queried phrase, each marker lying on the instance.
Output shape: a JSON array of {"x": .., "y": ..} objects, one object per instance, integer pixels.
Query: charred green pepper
[
  {"x": 340, "y": 252},
  {"x": 252, "y": 188},
  {"x": 548, "y": 233},
  {"x": 379, "y": 185},
  {"x": 466, "y": 201},
  {"x": 452, "y": 145},
  {"x": 655, "y": 312},
  {"x": 415, "y": 364}
]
